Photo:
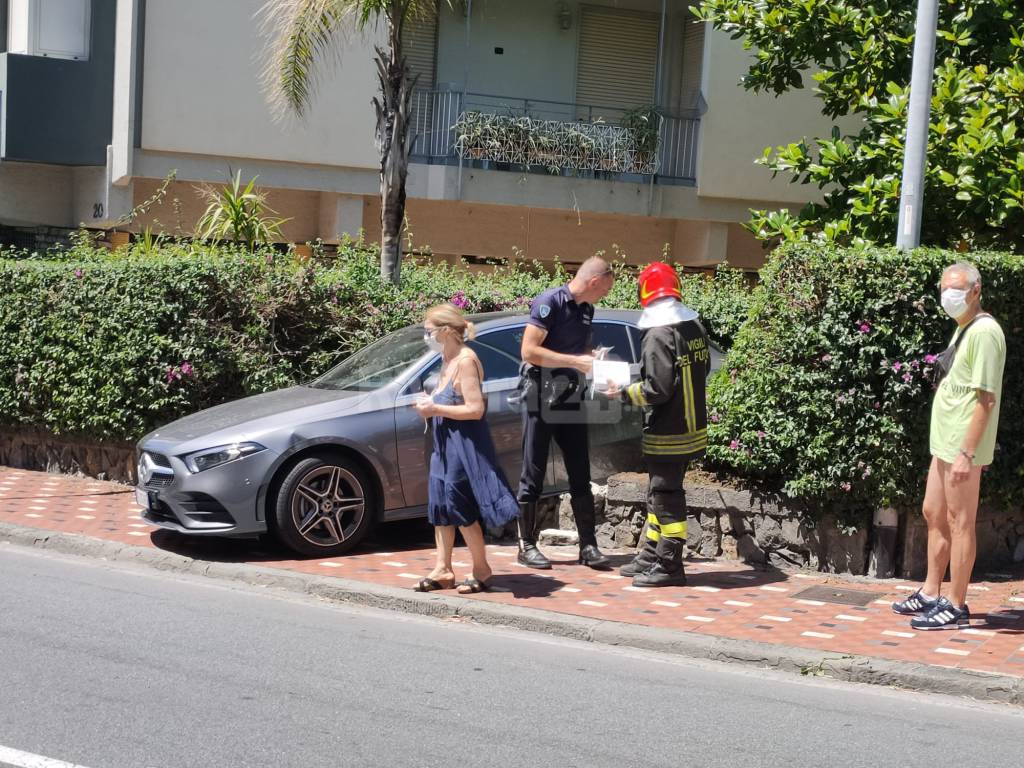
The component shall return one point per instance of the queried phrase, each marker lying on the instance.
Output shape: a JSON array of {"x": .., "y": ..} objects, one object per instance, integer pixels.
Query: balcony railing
[{"x": 553, "y": 137}]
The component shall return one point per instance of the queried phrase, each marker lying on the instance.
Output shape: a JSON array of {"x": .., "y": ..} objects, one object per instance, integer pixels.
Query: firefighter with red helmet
[{"x": 675, "y": 364}]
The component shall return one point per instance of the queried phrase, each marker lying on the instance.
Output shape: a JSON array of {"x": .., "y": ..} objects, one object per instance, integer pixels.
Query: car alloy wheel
[{"x": 328, "y": 505}]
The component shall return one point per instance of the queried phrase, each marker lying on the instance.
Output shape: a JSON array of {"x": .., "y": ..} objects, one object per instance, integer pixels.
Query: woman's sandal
[
  {"x": 432, "y": 585},
  {"x": 472, "y": 586}
]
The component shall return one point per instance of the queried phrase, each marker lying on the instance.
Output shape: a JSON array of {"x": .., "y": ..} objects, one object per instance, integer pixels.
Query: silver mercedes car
[{"x": 319, "y": 465}]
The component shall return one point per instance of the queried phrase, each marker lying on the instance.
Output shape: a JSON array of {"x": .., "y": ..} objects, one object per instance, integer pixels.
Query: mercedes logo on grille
[{"x": 146, "y": 467}]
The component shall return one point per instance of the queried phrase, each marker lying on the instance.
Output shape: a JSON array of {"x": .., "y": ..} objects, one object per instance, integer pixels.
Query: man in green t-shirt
[{"x": 965, "y": 416}]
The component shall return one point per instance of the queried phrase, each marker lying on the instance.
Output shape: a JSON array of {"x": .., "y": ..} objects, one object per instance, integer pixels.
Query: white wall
[
  {"x": 739, "y": 125},
  {"x": 202, "y": 92}
]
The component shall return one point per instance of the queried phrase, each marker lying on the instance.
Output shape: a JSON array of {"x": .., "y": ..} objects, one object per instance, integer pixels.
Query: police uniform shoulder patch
[{"x": 545, "y": 310}]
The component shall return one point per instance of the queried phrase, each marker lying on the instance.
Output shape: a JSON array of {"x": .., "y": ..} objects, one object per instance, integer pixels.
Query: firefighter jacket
[{"x": 676, "y": 361}]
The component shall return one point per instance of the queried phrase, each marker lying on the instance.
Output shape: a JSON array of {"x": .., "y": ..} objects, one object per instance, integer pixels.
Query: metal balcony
[{"x": 532, "y": 135}]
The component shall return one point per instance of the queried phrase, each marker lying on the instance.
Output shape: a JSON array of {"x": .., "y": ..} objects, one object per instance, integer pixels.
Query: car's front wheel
[{"x": 324, "y": 506}]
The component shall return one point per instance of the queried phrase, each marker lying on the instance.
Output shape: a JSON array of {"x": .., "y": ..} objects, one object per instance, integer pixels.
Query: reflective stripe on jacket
[{"x": 675, "y": 364}]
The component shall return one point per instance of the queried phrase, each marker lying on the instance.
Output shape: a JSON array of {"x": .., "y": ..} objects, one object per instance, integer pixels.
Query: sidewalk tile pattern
[{"x": 723, "y": 598}]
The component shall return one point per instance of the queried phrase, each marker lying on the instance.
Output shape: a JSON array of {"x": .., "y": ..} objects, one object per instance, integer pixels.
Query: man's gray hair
[{"x": 966, "y": 269}]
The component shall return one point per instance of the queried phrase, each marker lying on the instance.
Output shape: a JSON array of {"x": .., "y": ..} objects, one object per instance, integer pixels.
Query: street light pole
[{"x": 915, "y": 153}]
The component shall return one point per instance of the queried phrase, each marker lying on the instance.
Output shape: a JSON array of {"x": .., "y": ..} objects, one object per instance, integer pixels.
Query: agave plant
[
  {"x": 304, "y": 32},
  {"x": 238, "y": 213}
]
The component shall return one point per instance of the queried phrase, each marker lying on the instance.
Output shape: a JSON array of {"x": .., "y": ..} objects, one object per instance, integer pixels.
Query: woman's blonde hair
[{"x": 449, "y": 316}]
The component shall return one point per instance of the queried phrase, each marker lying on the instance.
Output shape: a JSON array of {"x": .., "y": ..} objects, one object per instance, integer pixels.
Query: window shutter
[
  {"x": 693, "y": 62},
  {"x": 618, "y": 58},
  {"x": 419, "y": 39}
]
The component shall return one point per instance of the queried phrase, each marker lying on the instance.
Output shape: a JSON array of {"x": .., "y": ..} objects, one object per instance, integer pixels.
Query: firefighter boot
[
  {"x": 644, "y": 559},
  {"x": 526, "y": 531},
  {"x": 668, "y": 570}
]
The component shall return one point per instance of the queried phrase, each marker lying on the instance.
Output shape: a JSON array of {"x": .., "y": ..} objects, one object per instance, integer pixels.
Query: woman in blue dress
[{"x": 467, "y": 487}]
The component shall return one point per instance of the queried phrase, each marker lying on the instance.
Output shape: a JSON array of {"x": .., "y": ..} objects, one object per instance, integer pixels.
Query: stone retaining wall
[
  {"x": 41, "y": 450},
  {"x": 732, "y": 523}
]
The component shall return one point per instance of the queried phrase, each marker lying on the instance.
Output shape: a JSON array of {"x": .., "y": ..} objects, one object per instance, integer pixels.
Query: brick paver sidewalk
[{"x": 723, "y": 598}]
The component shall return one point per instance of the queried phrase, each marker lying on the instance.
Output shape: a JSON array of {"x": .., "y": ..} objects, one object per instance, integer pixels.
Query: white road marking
[
  {"x": 593, "y": 603},
  {"x": 612, "y": 576},
  {"x": 769, "y": 588},
  {"x": 848, "y": 617},
  {"x": 28, "y": 760},
  {"x": 952, "y": 652},
  {"x": 822, "y": 635},
  {"x": 569, "y": 589},
  {"x": 85, "y": 517},
  {"x": 631, "y": 588},
  {"x": 393, "y": 564},
  {"x": 706, "y": 589},
  {"x": 894, "y": 633},
  {"x": 137, "y": 533},
  {"x": 665, "y": 603},
  {"x": 768, "y": 617},
  {"x": 328, "y": 564},
  {"x": 738, "y": 603},
  {"x": 1017, "y": 599},
  {"x": 883, "y": 602},
  {"x": 702, "y": 619},
  {"x": 810, "y": 602}
]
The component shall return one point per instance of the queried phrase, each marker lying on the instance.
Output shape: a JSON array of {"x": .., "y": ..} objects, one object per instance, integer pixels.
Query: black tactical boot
[
  {"x": 526, "y": 531},
  {"x": 586, "y": 524}
]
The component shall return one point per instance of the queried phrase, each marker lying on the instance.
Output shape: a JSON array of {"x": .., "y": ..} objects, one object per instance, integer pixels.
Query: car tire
[{"x": 324, "y": 506}]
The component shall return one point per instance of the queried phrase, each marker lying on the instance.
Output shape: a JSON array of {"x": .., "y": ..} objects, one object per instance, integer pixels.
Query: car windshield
[{"x": 377, "y": 365}]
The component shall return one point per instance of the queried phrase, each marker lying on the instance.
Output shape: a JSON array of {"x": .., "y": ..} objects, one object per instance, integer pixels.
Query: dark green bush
[
  {"x": 112, "y": 345},
  {"x": 824, "y": 394}
]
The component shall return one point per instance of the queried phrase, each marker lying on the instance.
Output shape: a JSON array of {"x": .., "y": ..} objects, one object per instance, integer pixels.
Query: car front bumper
[{"x": 222, "y": 501}]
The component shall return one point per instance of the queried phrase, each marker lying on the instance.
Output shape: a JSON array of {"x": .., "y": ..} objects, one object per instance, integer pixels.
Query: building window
[{"x": 57, "y": 29}]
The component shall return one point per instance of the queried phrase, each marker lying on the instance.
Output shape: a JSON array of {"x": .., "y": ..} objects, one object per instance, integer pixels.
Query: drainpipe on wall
[
  {"x": 465, "y": 85},
  {"x": 658, "y": 77}
]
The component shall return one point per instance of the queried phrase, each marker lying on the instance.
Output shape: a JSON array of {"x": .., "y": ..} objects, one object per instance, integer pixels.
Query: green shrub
[
  {"x": 112, "y": 345},
  {"x": 824, "y": 394}
]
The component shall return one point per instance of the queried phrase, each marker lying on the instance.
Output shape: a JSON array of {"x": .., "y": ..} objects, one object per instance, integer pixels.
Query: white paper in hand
[{"x": 610, "y": 370}]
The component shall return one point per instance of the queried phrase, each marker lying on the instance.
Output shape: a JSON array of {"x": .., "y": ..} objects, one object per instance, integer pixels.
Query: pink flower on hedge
[
  {"x": 867, "y": 473},
  {"x": 846, "y": 487},
  {"x": 907, "y": 377},
  {"x": 877, "y": 405},
  {"x": 459, "y": 300},
  {"x": 734, "y": 445},
  {"x": 715, "y": 418},
  {"x": 930, "y": 359},
  {"x": 864, "y": 327},
  {"x": 761, "y": 435},
  {"x": 826, "y": 358},
  {"x": 187, "y": 369},
  {"x": 79, "y": 273},
  {"x": 896, "y": 366}
]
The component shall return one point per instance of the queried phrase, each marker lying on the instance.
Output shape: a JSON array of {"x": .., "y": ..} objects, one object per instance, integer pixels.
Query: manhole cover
[{"x": 827, "y": 594}]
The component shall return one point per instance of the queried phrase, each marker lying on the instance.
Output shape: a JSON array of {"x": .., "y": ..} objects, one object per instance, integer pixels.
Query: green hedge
[
  {"x": 112, "y": 345},
  {"x": 824, "y": 395}
]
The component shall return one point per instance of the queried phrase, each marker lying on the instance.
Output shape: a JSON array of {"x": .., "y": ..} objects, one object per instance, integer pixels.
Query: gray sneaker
[{"x": 913, "y": 605}]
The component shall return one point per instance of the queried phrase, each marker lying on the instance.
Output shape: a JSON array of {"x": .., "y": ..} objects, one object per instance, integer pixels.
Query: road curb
[{"x": 982, "y": 686}]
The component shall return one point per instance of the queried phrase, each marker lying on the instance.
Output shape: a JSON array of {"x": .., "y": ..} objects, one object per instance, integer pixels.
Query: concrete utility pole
[{"x": 915, "y": 153}]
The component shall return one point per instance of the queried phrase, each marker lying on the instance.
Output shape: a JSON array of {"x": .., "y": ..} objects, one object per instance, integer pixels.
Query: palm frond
[{"x": 304, "y": 38}]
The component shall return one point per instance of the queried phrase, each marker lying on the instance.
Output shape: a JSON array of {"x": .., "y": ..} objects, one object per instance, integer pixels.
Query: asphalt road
[{"x": 114, "y": 666}]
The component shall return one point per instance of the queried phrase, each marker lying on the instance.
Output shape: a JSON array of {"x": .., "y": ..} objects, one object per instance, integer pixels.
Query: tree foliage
[{"x": 858, "y": 54}]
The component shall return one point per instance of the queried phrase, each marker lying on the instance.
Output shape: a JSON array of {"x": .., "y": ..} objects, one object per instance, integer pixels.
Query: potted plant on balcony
[
  {"x": 643, "y": 125},
  {"x": 470, "y": 135},
  {"x": 580, "y": 151}
]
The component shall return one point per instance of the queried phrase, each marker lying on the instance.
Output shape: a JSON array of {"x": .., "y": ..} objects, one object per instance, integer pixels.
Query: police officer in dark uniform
[{"x": 557, "y": 355}]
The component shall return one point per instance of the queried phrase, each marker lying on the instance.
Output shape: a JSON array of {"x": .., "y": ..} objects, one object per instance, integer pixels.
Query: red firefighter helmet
[{"x": 657, "y": 281}]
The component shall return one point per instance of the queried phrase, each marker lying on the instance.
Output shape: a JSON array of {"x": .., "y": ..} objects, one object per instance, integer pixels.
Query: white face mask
[
  {"x": 954, "y": 301},
  {"x": 432, "y": 343}
]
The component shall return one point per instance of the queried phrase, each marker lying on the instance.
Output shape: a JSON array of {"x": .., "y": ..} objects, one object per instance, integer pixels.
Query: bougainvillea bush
[{"x": 825, "y": 393}]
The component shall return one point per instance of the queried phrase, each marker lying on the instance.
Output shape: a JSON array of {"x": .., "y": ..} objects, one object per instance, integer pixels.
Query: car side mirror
[{"x": 430, "y": 383}]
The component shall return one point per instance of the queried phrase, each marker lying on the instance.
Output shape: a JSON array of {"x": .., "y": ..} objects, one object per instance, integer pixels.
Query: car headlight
[{"x": 214, "y": 457}]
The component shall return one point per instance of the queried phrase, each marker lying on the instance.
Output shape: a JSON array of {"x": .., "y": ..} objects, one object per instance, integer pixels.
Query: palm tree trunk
[{"x": 393, "y": 145}]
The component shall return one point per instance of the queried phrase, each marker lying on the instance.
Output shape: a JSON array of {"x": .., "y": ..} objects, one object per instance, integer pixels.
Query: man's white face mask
[{"x": 954, "y": 301}]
